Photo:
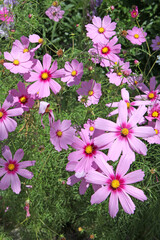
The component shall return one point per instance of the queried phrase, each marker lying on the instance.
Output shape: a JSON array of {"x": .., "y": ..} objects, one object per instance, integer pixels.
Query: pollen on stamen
[
  {"x": 119, "y": 73},
  {"x": 1, "y": 114},
  {"x": 128, "y": 104},
  {"x": 124, "y": 131},
  {"x": 91, "y": 128},
  {"x": 11, "y": 167},
  {"x": 59, "y": 133},
  {"x": 101, "y": 30},
  {"x": 136, "y": 36},
  {"x": 135, "y": 82},
  {"x": 16, "y": 62},
  {"x": 115, "y": 184},
  {"x": 156, "y": 130},
  {"x": 151, "y": 95},
  {"x": 40, "y": 40},
  {"x": 44, "y": 76},
  {"x": 74, "y": 73},
  {"x": 90, "y": 93},
  {"x": 105, "y": 50},
  {"x": 25, "y": 50},
  {"x": 23, "y": 99},
  {"x": 155, "y": 114},
  {"x": 88, "y": 149}
]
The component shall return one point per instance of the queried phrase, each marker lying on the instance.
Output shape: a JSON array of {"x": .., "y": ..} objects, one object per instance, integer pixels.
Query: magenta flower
[
  {"x": 6, "y": 16},
  {"x": 7, "y": 124},
  {"x": 20, "y": 62},
  {"x": 156, "y": 43},
  {"x": 44, "y": 109},
  {"x": 122, "y": 136},
  {"x": 62, "y": 134},
  {"x": 155, "y": 138},
  {"x": 85, "y": 154},
  {"x": 106, "y": 53},
  {"x": 23, "y": 99},
  {"x": 134, "y": 12},
  {"x": 92, "y": 90},
  {"x": 117, "y": 184},
  {"x": 12, "y": 167},
  {"x": 55, "y": 13},
  {"x": 136, "y": 35},
  {"x": 154, "y": 112},
  {"x": 73, "y": 73},
  {"x": 42, "y": 76},
  {"x": 100, "y": 30},
  {"x": 119, "y": 73}
]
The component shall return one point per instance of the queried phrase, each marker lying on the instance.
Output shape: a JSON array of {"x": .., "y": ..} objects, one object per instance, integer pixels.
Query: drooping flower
[
  {"x": 62, "y": 134},
  {"x": 55, "y": 13},
  {"x": 6, "y": 16},
  {"x": 7, "y": 124},
  {"x": 156, "y": 43},
  {"x": 34, "y": 38},
  {"x": 44, "y": 109},
  {"x": 117, "y": 184},
  {"x": 134, "y": 12},
  {"x": 90, "y": 89},
  {"x": 155, "y": 138},
  {"x": 119, "y": 73},
  {"x": 42, "y": 77},
  {"x": 154, "y": 112},
  {"x": 122, "y": 136},
  {"x": 11, "y": 167},
  {"x": 20, "y": 62},
  {"x": 136, "y": 36},
  {"x": 27, "y": 208},
  {"x": 23, "y": 99},
  {"x": 73, "y": 73},
  {"x": 106, "y": 53},
  {"x": 100, "y": 30}
]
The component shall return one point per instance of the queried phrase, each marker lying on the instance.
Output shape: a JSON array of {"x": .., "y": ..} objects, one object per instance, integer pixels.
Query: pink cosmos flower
[
  {"x": 122, "y": 136},
  {"x": 55, "y": 13},
  {"x": 106, "y": 53},
  {"x": 134, "y": 12},
  {"x": 34, "y": 38},
  {"x": 154, "y": 112},
  {"x": 117, "y": 184},
  {"x": 136, "y": 35},
  {"x": 151, "y": 93},
  {"x": 42, "y": 76},
  {"x": 6, "y": 16},
  {"x": 7, "y": 124},
  {"x": 44, "y": 109},
  {"x": 100, "y": 30},
  {"x": 155, "y": 138},
  {"x": 62, "y": 134},
  {"x": 12, "y": 167},
  {"x": 73, "y": 73},
  {"x": 134, "y": 81},
  {"x": 156, "y": 43},
  {"x": 119, "y": 73},
  {"x": 85, "y": 154},
  {"x": 22, "y": 98},
  {"x": 130, "y": 105},
  {"x": 90, "y": 89},
  {"x": 20, "y": 62}
]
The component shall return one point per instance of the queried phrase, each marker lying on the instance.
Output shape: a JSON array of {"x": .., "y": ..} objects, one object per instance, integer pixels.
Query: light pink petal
[
  {"x": 14, "y": 112},
  {"x": 34, "y": 88},
  {"x": 3, "y": 132},
  {"x": 83, "y": 187},
  {"x": 38, "y": 67},
  {"x": 25, "y": 173},
  {"x": 113, "y": 204},
  {"x": 96, "y": 177},
  {"x": 133, "y": 177},
  {"x": 2, "y": 171},
  {"x": 137, "y": 115},
  {"x": 116, "y": 149},
  {"x": 10, "y": 124},
  {"x": 9, "y": 66},
  {"x": 123, "y": 113},
  {"x": 100, "y": 195},
  {"x": 78, "y": 143},
  {"x": 55, "y": 87},
  {"x": 5, "y": 181},
  {"x": 34, "y": 38},
  {"x": 97, "y": 21},
  {"x": 7, "y": 153},
  {"x": 2, "y": 162},
  {"x": 8, "y": 56},
  {"x": 18, "y": 155},
  {"x": 137, "y": 145},
  {"x": 123, "y": 165},
  {"x": 15, "y": 183},
  {"x": 144, "y": 131},
  {"x": 103, "y": 165},
  {"x": 126, "y": 202},
  {"x": 105, "y": 125},
  {"x": 135, "y": 192},
  {"x": 71, "y": 166},
  {"x": 143, "y": 88},
  {"x": 46, "y": 61},
  {"x": 44, "y": 90},
  {"x": 125, "y": 94},
  {"x": 26, "y": 164},
  {"x": 74, "y": 156}
]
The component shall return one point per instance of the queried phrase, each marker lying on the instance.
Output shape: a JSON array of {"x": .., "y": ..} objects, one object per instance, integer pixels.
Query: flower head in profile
[
  {"x": 136, "y": 36},
  {"x": 42, "y": 76},
  {"x": 55, "y": 13},
  {"x": 44, "y": 109},
  {"x": 155, "y": 138},
  {"x": 156, "y": 43},
  {"x": 100, "y": 30},
  {"x": 73, "y": 73},
  {"x": 11, "y": 167},
  {"x": 134, "y": 12},
  {"x": 117, "y": 185}
]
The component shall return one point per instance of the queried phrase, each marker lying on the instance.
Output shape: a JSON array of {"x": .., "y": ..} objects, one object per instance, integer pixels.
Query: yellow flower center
[
  {"x": 5, "y": 15},
  {"x": 91, "y": 129},
  {"x": 156, "y": 131},
  {"x": 119, "y": 73},
  {"x": 128, "y": 104},
  {"x": 11, "y": 166},
  {"x": 1, "y": 114},
  {"x": 105, "y": 50},
  {"x": 25, "y": 50},
  {"x": 155, "y": 114},
  {"x": 40, "y": 40},
  {"x": 135, "y": 82},
  {"x": 158, "y": 43},
  {"x": 23, "y": 99},
  {"x": 74, "y": 73},
  {"x": 59, "y": 133},
  {"x": 115, "y": 63},
  {"x": 89, "y": 149},
  {"x": 90, "y": 93},
  {"x": 136, "y": 36},
  {"x": 151, "y": 95},
  {"x": 44, "y": 76},
  {"x": 55, "y": 3},
  {"x": 125, "y": 131},
  {"x": 115, "y": 184},
  {"x": 101, "y": 30},
  {"x": 16, "y": 62}
]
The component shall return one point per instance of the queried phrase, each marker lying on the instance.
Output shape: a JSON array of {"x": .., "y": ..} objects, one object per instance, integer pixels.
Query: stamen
[
  {"x": 40, "y": 40},
  {"x": 91, "y": 128},
  {"x": 11, "y": 167},
  {"x": 128, "y": 104},
  {"x": 105, "y": 50},
  {"x": 101, "y": 30},
  {"x": 115, "y": 184},
  {"x": 73, "y": 73},
  {"x": 135, "y": 82},
  {"x": 16, "y": 62},
  {"x": 136, "y": 36},
  {"x": 25, "y": 50},
  {"x": 155, "y": 114},
  {"x": 1, "y": 114},
  {"x": 124, "y": 131},
  {"x": 88, "y": 149},
  {"x": 156, "y": 130},
  {"x": 44, "y": 76},
  {"x": 151, "y": 95},
  {"x": 90, "y": 93},
  {"x": 59, "y": 133},
  {"x": 23, "y": 99},
  {"x": 119, "y": 73}
]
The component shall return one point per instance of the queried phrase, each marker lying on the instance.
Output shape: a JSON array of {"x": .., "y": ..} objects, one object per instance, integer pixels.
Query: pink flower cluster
[{"x": 55, "y": 13}]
